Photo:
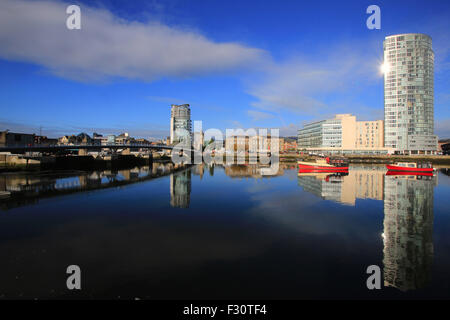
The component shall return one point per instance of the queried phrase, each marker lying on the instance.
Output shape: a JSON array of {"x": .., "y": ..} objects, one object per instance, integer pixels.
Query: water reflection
[
  {"x": 325, "y": 185},
  {"x": 180, "y": 189},
  {"x": 180, "y": 183},
  {"x": 27, "y": 188},
  {"x": 408, "y": 216},
  {"x": 253, "y": 170},
  {"x": 359, "y": 183},
  {"x": 235, "y": 230},
  {"x": 408, "y": 231}
]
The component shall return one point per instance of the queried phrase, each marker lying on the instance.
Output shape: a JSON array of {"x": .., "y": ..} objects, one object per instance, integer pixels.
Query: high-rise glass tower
[
  {"x": 180, "y": 124},
  {"x": 409, "y": 94}
]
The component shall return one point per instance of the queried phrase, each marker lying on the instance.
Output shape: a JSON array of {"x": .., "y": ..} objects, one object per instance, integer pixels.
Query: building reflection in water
[
  {"x": 180, "y": 189},
  {"x": 180, "y": 182},
  {"x": 28, "y": 188},
  {"x": 408, "y": 203},
  {"x": 408, "y": 231},
  {"x": 361, "y": 182},
  {"x": 408, "y": 216},
  {"x": 251, "y": 171}
]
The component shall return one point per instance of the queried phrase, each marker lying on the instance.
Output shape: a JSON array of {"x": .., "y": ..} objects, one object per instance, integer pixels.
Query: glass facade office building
[
  {"x": 342, "y": 135},
  {"x": 409, "y": 93},
  {"x": 325, "y": 133}
]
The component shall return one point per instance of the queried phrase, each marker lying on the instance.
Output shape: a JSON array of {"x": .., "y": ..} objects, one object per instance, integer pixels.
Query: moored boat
[
  {"x": 324, "y": 165},
  {"x": 411, "y": 167}
]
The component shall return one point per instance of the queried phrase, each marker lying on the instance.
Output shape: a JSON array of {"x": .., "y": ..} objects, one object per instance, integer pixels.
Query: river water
[{"x": 213, "y": 232}]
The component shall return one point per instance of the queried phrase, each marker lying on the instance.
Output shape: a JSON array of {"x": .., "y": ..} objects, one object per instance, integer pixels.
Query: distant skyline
[{"x": 237, "y": 63}]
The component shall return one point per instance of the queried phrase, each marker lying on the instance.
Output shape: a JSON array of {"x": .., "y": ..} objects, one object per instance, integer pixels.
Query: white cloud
[
  {"x": 301, "y": 85},
  {"x": 107, "y": 46}
]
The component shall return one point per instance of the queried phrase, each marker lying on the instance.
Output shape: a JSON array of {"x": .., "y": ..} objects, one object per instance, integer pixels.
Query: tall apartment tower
[
  {"x": 409, "y": 94},
  {"x": 180, "y": 124}
]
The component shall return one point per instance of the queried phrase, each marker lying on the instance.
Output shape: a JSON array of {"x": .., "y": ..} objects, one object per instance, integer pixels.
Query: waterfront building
[
  {"x": 122, "y": 138},
  {"x": 44, "y": 141},
  {"x": 342, "y": 135},
  {"x": 97, "y": 139},
  {"x": 180, "y": 124},
  {"x": 63, "y": 140},
  {"x": 245, "y": 141},
  {"x": 143, "y": 141},
  {"x": 83, "y": 138},
  {"x": 100, "y": 140},
  {"x": 288, "y": 144},
  {"x": 11, "y": 139},
  {"x": 369, "y": 134},
  {"x": 198, "y": 140},
  {"x": 444, "y": 146},
  {"x": 409, "y": 94},
  {"x": 111, "y": 139}
]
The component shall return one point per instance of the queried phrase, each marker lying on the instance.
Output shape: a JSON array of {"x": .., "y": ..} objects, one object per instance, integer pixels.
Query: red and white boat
[
  {"x": 324, "y": 165},
  {"x": 411, "y": 167}
]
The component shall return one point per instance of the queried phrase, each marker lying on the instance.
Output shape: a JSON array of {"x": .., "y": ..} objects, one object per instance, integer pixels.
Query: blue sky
[{"x": 272, "y": 64}]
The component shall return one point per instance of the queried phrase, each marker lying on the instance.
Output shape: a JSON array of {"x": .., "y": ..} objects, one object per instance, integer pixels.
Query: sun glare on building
[{"x": 384, "y": 68}]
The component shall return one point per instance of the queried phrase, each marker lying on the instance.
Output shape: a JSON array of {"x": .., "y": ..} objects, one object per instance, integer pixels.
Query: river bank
[
  {"x": 14, "y": 163},
  {"x": 374, "y": 159}
]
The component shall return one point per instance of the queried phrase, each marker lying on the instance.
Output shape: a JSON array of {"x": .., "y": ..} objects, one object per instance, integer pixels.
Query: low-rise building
[
  {"x": 245, "y": 142},
  {"x": 342, "y": 135},
  {"x": 44, "y": 141},
  {"x": 123, "y": 138},
  {"x": 13, "y": 139},
  {"x": 111, "y": 140},
  {"x": 198, "y": 140},
  {"x": 288, "y": 145},
  {"x": 142, "y": 141},
  {"x": 444, "y": 146}
]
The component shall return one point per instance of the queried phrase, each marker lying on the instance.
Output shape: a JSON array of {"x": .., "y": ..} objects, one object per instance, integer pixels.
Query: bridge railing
[{"x": 27, "y": 148}]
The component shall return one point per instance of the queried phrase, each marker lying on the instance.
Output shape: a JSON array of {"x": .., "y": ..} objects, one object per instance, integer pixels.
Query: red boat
[
  {"x": 323, "y": 165},
  {"x": 411, "y": 167},
  {"x": 408, "y": 173}
]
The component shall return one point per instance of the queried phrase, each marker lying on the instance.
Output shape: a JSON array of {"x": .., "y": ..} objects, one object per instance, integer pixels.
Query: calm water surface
[{"x": 224, "y": 232}]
